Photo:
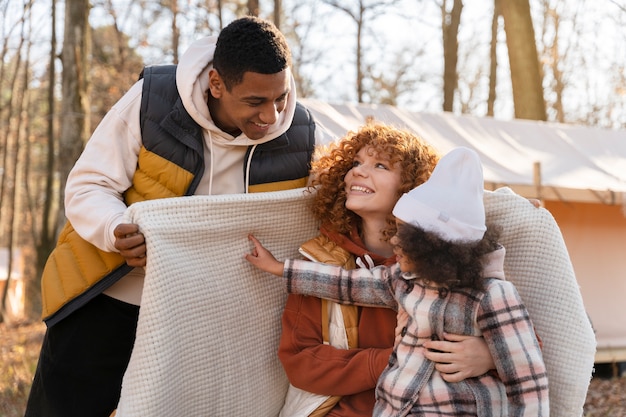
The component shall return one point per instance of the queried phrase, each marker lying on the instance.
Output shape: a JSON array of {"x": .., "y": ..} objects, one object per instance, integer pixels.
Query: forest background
[{"x": 65, "y": 63}]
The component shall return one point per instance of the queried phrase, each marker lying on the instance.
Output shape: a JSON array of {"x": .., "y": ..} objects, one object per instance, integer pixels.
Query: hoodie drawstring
[
  {"x": 211, "y": 161},
  {"x": 248, "y": 162}
]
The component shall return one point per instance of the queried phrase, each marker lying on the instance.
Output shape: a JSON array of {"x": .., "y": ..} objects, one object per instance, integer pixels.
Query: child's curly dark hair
[
  {"x": 448, "y": 264},
  {"x": 416, "y": 158}
]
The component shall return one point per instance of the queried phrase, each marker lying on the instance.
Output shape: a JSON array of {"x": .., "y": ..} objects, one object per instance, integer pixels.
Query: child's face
[
  {"x": 406, "y": 264},
  {"x": 372, "y": 184}
]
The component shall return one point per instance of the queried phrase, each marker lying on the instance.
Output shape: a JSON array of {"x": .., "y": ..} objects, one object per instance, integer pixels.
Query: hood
[
  {"x": 192, "y": 80},
  {"x": 493, "y": 264}
]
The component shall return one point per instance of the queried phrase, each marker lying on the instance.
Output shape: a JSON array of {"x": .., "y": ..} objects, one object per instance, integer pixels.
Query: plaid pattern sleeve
[
  {"x": 365, "y": 287},
  {"x": 509, "y": 333}
]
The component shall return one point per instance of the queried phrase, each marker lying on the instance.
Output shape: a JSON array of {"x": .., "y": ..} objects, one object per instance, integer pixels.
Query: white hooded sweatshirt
[{"x": 94, "y": 201}]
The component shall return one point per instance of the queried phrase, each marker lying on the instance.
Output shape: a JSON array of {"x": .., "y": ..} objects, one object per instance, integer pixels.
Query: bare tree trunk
[
  {"x": 554, "y": 55},
  {"x": 359, "y": 54},
  {"x": 175, "y": 30},
  {"x": 302, "y": 47},
  {"x": 277, "y": 12},
  {"x": 11, "y": 164},
  {"x": 358, "y": 16},
  {"x": 75, "y": 106},
  {"x": 557, "y": 73},
  {"x": 526, "y": 77},
  {"x": 8, "y": 80},
  {"x": 16, "y": 114},
  {"x": 493, "y": 59},
  {"x": 44, "y": 243},
  {"x": 253, "y": 7},
  {"x": 120, "y": 36},
  {"x": 450, "y": 22},
  {"x": 17, "y": 214},
  {"x": 10, "y": 146},
  {"x": 219, "y": 14}
]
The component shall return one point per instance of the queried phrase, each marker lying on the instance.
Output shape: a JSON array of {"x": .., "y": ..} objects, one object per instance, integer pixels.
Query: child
[{"x": 449, "y": 278}]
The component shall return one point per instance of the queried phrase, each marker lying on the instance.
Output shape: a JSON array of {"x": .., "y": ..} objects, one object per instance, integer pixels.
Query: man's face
[{"x": 251, "y": 106}]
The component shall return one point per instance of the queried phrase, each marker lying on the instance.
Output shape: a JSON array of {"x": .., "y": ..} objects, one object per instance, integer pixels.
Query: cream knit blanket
[
  {"x": 209, "y": 323},
  {"x": 538, "y": 264}
]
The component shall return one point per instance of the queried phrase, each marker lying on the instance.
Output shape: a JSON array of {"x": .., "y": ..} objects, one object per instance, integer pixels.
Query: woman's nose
[{"x": 360, "y": 170}]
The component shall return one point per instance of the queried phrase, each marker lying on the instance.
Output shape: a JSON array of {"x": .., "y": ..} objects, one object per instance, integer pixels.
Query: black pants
[{"x": 82, "y": 361}]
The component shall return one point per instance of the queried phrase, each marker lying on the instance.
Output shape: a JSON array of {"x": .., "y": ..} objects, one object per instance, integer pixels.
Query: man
[{"x": 225, "y": 120}]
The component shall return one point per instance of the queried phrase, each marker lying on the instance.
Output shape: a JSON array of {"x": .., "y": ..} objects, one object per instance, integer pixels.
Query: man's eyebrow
[{"x": 254, "y": 98}]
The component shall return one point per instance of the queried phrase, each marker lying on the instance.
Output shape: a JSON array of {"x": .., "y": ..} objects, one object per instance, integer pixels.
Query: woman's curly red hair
[{"x": 416, "y": 158}]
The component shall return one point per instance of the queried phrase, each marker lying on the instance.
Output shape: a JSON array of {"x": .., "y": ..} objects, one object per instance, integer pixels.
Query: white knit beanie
[{"x": 450, "y": 203}]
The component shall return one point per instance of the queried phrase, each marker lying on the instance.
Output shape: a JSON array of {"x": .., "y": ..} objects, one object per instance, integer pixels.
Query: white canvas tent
[{"x": 578, "y": 172}]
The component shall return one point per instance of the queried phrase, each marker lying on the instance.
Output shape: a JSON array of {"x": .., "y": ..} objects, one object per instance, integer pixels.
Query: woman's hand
[
  {"x": 263, "y": 259},
  {"x": 459, "y": 357}
]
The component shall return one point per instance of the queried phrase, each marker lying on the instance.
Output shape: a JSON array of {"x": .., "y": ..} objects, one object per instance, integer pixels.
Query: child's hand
[{"x": 263, "y": 259}]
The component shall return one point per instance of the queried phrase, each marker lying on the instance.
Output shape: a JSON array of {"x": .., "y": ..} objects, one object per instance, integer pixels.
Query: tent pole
[{"x": 537, "y": 179}]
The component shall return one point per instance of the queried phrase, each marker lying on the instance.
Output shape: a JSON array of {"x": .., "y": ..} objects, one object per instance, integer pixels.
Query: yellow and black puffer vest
[{"x": 170, "y": 164}]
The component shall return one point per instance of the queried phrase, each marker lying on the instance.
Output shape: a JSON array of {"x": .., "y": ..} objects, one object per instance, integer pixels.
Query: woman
[{"x": 358, "y": 181}]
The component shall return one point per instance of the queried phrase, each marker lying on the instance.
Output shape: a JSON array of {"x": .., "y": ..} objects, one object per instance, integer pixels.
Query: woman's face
[{"x": 372, "y": 184}]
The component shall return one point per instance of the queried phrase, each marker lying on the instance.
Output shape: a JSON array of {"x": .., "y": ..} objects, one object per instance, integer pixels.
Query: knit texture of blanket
[
  {"x": 538, "y": 263},
  {"x": 209, "y": 323}
]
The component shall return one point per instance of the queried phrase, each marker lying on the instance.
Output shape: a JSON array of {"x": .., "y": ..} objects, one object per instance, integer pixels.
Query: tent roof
[{"x": 536, "y": 159}]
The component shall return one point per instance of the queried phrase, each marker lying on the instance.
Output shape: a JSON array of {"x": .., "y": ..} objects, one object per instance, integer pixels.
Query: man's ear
[{"x": 216, "y": 84}]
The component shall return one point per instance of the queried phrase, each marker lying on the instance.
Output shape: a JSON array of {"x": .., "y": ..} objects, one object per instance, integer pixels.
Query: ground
[{"x": 19, "y": 348}]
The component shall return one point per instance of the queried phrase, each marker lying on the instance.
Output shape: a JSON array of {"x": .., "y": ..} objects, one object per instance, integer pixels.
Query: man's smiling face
[{"x": 251, "y": 106}]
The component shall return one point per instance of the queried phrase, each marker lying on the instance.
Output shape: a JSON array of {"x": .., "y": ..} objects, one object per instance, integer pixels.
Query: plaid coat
[{"x": 410, "y": 385}]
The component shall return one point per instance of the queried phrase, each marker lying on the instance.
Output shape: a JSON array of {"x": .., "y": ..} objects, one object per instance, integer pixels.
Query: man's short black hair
[{"x": 250, "y": 44}]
